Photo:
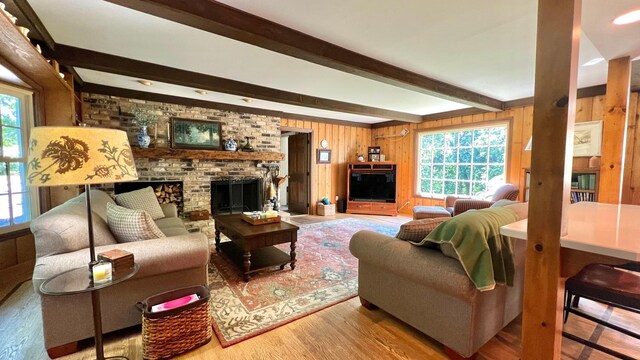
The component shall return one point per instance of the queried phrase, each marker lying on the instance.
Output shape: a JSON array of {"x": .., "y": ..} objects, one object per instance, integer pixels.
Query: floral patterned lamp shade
[{"x": 79, "y": 156}]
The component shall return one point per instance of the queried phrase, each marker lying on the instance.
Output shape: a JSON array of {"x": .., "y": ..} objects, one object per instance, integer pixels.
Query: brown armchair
[{"x": 457, "y": 206}]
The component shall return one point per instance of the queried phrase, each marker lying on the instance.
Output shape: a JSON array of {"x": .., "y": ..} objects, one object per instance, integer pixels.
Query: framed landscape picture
[
  {"x": 587, "y": 139},
  {"x": 195, "y": 134}
]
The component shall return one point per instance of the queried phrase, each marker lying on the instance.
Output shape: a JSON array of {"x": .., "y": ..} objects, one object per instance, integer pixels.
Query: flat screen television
[{"x": 372, "y": 186}]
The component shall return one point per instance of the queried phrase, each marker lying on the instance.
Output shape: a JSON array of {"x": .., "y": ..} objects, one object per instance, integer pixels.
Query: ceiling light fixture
[
  {"x": 202, "y": 92},
  {"x": 145, "y": 82},
  {"x": 593, "y": 61},
  {"x": 247, "y": 100},
  {"x": 628, "y": 18}
]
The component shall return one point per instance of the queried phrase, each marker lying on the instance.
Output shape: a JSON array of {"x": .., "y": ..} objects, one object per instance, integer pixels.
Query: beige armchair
[{"x": 456, "y": 205}]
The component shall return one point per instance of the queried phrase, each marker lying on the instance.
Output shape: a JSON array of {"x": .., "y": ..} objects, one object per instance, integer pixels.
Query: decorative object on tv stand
[
  {"x": 587, "y": 139},
  {"x": 360, "y": 157},
  {"x": 323, "y": 156},
  {"x": 373, "y": 153},
  {"x": 143, "y": 119},
  {"x": 81, "y": 156},
  {"x": 248, "y": 147},
  {"x": 230, "y": 145}
]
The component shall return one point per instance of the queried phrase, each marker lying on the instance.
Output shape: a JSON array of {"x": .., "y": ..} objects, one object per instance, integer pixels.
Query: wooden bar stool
[{"x": 607, "y": 284}]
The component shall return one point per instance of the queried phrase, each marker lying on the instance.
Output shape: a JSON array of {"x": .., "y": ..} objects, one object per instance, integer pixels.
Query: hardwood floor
[{"x": 344, "y": 331}]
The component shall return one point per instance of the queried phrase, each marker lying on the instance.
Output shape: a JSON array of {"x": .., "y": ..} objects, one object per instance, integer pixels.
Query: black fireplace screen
[{"x": 236, "y": 196}]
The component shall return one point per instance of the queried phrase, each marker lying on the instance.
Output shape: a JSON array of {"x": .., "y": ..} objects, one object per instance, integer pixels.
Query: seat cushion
[
  {"x": 143, "y": 199},
  {"x": 171, "y": 226},
  {"x": 429, "y": 212},
  {"x": 131, "y": 225},
  {"x": 417, "y": 230}
]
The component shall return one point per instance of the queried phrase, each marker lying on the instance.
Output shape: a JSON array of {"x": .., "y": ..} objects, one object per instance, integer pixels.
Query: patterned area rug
[{"x": 325, "y": 274}]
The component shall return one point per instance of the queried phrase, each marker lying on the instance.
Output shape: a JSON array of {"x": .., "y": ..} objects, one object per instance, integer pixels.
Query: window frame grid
[
  {"x": 26, "y": 122},
  {"x": 420, "y": 160}
]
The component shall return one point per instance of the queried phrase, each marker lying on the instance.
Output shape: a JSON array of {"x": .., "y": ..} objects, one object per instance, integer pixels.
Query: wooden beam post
[
  {"x": 224, "y": 20},
  {"x": 553, "y": 119},
  {"x": 614, "y": 130}
]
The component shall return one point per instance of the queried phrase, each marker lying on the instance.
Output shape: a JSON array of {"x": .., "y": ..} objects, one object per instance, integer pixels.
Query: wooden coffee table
[{"x": 251, "y": 246}]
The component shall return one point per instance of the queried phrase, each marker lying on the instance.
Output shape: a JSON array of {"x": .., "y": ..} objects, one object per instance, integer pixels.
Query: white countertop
[{"x": 606, "y": 229}]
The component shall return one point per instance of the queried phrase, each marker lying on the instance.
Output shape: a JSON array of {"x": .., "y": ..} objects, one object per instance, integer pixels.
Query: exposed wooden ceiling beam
[
  {"x": 220, "y": 19},
  {"x": 88, "y": 59},
  {"x": 32, "y": 21},
  {"x": 170, "y": 99}
]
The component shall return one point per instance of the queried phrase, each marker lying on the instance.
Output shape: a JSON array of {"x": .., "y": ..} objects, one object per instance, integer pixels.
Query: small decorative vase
[
  {"x": 231, "y": 145},
  {"x": 143, "y": 138}
]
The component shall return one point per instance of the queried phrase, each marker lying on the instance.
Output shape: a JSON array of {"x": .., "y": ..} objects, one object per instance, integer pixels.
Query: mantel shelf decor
[{"x": 168, "y": 153}]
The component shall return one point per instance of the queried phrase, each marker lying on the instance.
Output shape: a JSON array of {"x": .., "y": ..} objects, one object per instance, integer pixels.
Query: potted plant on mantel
[{"x": 143, "y": 119}]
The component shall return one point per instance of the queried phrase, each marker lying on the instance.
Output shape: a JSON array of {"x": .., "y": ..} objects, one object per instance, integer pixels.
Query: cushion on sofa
[
  {"x": 99, "y": 201},
  {"x": 65, "y": 229},
  {"x": 131, "y": 225},
  {"x": 143, "y": 199},
  {"x": 416, "y": 230},
  {"x": 171, "y": 226}
]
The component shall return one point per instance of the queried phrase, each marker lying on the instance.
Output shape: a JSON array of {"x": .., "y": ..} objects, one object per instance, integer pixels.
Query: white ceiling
[
  {"x": 485, "y": 46},
  {"x": 126, "y": 82}
]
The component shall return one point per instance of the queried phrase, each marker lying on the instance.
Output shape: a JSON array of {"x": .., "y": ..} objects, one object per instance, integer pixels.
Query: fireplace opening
[
  {"x": 166, "y": 191},
  {"x": 235, "y": 196}
]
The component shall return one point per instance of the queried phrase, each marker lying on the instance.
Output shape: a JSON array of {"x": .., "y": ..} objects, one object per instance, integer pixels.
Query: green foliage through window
[
  {"x": 15, "y": 196},
  {"x": 461, "y": 162}
]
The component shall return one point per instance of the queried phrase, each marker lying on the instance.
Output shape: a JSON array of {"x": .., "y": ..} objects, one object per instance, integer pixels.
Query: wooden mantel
[{"x": 168, "y": 153}]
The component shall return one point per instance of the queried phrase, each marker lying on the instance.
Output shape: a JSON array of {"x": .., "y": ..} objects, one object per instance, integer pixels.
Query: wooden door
[{"x": 299, "y": 171}]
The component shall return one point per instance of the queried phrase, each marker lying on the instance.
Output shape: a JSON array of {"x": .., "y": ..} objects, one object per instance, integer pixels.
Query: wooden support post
[
  {"x": 614, "y": 128},
  {"x": 551, "y": 159}
]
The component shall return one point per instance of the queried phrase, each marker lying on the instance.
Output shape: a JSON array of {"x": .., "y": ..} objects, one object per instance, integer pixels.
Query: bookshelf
[{"x": 584, "y": 185}]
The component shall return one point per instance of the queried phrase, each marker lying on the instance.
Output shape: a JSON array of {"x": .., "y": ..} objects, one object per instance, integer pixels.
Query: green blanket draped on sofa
[{"x": 474, "y": 239}]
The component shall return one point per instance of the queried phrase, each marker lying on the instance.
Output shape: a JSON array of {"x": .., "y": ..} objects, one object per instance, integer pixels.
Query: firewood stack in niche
[{"x": 169, "y": 193}]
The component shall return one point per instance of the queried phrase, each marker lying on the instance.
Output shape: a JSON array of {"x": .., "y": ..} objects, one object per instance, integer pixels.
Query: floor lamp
[{"x": 81, "y": 156}]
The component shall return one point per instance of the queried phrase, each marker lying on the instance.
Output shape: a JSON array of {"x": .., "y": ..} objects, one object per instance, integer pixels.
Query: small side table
[{"x": 79, "y": 280}]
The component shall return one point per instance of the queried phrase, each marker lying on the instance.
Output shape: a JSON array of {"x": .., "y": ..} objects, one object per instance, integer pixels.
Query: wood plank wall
[
  {"x": 402, "y": 149},
  {"x": 17, "y": 256},
  {"x": 329, "y": 180}
]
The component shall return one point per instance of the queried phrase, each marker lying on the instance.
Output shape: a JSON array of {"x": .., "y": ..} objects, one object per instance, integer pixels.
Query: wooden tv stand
[{"x": 371, "y": 207}]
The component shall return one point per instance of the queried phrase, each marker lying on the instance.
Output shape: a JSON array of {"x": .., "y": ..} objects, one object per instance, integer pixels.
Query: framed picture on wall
[
  {"x": 323, "y": 156},
  {"x": 195, "y": 134},
  {"x": 587, "y": 139}
]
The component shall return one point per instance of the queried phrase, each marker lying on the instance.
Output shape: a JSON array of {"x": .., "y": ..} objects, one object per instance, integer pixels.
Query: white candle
[{"x": 102, "y": 272}]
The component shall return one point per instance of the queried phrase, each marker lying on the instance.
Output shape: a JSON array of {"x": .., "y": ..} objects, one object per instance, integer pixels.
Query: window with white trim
[
  {"x": 18, "y": 202},
  {"x": 461, "y": 161}
]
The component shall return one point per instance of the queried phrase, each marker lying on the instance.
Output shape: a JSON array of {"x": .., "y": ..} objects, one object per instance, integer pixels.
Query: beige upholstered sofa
[
  {"x": 61, "y": 236},
  {"x": 432, "y": 292}
]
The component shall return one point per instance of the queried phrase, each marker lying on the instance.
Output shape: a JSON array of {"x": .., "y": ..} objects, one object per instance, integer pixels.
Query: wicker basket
[
  {"x": 326, "y": 210},
  {"x": 168, "y": 333}
]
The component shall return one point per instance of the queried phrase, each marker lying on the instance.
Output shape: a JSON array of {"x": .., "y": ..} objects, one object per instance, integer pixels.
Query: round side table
[{"x": 80, "y": 280}]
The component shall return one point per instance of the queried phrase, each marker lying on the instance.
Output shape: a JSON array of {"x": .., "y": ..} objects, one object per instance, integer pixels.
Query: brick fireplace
[{"x": 196, "y": 175}]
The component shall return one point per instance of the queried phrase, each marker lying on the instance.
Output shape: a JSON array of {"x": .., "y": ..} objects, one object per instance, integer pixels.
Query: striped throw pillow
[
  {"x": 417, "y": 230},
  {"x": 143, "y": 199},
  {"x": 129, "y": 225}
]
